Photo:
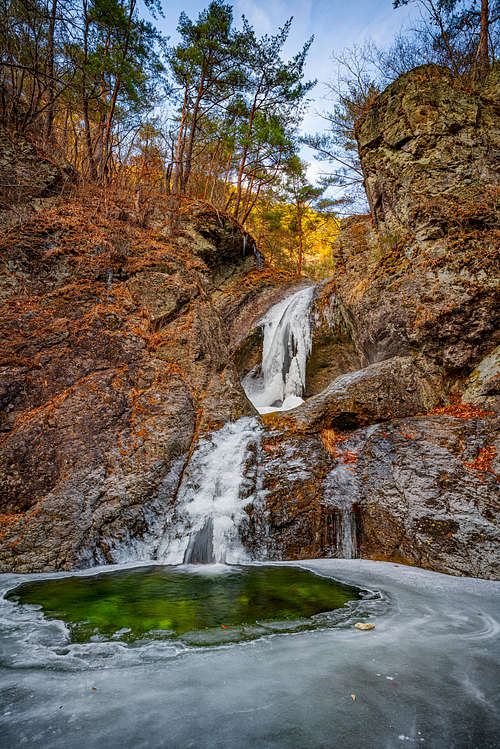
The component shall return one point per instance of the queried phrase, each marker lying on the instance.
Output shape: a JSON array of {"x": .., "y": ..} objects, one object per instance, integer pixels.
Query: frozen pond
[
  {"x": 194, "y": 605},
  {"x": 427, "y": 675}
]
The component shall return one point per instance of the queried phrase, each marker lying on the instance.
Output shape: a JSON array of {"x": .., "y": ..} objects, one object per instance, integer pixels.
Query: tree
[
  {"x": 452, "y": 18},
  {"x": 304, "y": 196},
  {"x": 352, "y": 92},
  {"x": 206, "y": 67},
  {"x": 275, "y": 92},
  {"x": 120, "y": 65}
]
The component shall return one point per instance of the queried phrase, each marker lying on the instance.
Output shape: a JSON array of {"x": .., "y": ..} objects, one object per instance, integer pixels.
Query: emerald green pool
[{"x": 197, "y": 607}]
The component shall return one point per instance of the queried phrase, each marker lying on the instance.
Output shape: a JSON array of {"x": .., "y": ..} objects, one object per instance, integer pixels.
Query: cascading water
[
  {"x": 279, "y": 383},
  {"x": 210, "y": 502},
  {"x": 206, "y": 521}
]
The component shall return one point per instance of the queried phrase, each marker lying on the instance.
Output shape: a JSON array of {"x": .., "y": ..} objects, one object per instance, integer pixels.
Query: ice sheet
[{"x": 427, "y": 675}]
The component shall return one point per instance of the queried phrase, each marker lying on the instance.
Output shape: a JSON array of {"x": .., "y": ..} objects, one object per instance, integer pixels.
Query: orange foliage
[
  {"x": 462, "y": 411},
  {"x": 330, "y": 439},
  {"x": 483, "y": 461}
]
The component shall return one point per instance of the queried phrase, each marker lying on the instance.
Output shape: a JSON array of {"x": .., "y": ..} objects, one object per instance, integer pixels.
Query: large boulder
[
  {"x": 393, "y": 388},
  {"x": 430, "y": 494},
  {"x": 422, "y": 491}
]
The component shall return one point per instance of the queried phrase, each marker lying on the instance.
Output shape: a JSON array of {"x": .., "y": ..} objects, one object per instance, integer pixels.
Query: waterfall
[
  {"x": 210, "y": 504},
  {"x": 206, "y": 523},
  {"x": 279, "y": 383}
]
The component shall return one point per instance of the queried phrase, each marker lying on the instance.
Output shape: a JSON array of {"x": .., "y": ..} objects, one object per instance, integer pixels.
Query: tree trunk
[
  {"x": 192, "y": 133},
  {"x": 484, "y": 60},
  {"x": 114, "y": 96},
  {"x": 49, "y": 115},
  {"x": 251, "y": 206},
  {"x": 439, "y": 21},
  {"x": 245, "y": 153},
  {"x": 85, "y": 98},
  {"x": 301, "y": 240},
  {"x": 179, "y": 151}
]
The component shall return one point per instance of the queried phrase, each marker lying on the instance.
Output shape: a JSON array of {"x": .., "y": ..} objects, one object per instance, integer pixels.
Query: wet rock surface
[
  {"x": 334, "y": 351},
  {"x": 430, "y": 494},
  {"x": 115, "y": 357},
  {"x": 423, "y": 491}
]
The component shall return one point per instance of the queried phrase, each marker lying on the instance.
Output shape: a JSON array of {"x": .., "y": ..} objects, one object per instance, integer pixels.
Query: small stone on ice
[{"x": 364, "y": 625}]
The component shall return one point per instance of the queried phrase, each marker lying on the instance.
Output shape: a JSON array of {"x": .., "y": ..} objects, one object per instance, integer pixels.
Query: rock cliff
[
  {"x": 123, "y": 345},
  {"x": 405, "y": 349},
  {"x": 116, "y": 355}
]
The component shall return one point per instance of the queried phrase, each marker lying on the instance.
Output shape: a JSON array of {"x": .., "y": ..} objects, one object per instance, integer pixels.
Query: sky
[{"x": 335, "y": 24}]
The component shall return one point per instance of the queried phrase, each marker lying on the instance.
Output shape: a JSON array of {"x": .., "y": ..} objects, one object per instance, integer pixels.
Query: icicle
[
  {"x": 346, "y": 540},
  {"x": 287, "y": 344}
]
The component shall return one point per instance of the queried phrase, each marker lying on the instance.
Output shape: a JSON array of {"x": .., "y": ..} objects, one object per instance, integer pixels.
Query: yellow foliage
[{"x": 274, "y": 226}]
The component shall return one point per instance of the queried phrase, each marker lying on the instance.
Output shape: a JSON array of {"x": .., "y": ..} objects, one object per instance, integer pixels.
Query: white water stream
[
  {"x": 209, "y": 506},
  {"x": 204, "y": 526},
  {"x": 279, "y": 383}
]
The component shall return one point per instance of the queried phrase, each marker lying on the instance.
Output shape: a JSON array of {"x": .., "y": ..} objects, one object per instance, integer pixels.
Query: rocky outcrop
[
  {"x": 428, "y": 143},
  {"x": 397, "y": 387},
  {"x": 421, "y": 491},
  {"x": 409, "y": 320},
  {"x": 26, "y": 174},
  {"x": 421, "y": 273},
  {"x": 430, "y": 494}
]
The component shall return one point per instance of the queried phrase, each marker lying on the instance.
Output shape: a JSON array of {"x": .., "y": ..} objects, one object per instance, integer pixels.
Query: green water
[{"x": 200, "y": 608}]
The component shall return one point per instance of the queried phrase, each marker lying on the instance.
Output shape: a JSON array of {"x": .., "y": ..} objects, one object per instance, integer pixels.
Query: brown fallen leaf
[{"x": 364, "y": 626}]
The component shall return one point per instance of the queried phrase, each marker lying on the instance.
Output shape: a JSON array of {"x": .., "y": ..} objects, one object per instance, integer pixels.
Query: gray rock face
[
  {"x": 334, "y": 351},
  {"x": 483, "y": 384},
  {"x": 426, "y": 136},
  {"x": 422, "y": 491},
  {"x": 421, "y": 273},
  {"x": 26, "y": 174},
  {"x": 430, "y": 494},
  {"x": 401, "y": 386}
]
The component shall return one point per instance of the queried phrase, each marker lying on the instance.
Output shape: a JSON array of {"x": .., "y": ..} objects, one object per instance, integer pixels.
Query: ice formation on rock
[
  {"x": 210, "y": 502},
  {"x": 279, "y": 383}
]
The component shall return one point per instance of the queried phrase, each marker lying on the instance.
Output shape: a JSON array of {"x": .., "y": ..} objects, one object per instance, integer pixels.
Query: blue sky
[{"x": 335, "y": 24}]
